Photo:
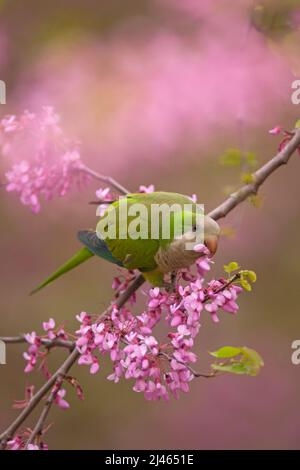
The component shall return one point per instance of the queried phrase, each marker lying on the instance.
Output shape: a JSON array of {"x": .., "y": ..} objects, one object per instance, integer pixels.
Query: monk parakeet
[{"x": 117, "y": 237}]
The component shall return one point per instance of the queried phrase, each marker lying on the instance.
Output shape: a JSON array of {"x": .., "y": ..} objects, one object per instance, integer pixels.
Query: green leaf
[
  {"x": 255, "y": 200},
  {"x": 251, "y": 275},
  {"x": 247, "y": 277},
  {"x": 251, "y": 357},
  {"x": 245, "y": 285},
  {"x": 231, "y": 157},
  {"x": 240, "y": 360},
  {"x": 232, "y": 266},
  {"x": 251, "y": 159},
  {"x": 226, "y": 351},
  {"x": 237, "y": 368},
  {"x": 247, "y": 178}
]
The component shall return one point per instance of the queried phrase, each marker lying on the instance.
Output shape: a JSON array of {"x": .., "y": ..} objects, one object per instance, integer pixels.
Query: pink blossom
[
  {"x": 104, "y": 195},
  {"x": 200, "y": 248},
  {"x": 16, "y": 443},
  {"x": 275, "y": 130},
  {"x": 94, "y": 367},
  {"x": 84, "y": 318},
  {"x": 31, "y": 337},
  {"x": 44, "y": 163},
  {"x": 147, "y": 189},
  {"x": 50, "y": 325},
  {"x": 59, "y": 399},
  {"x": 33, "y": 447},
  {"x": 35, "y": 351}
]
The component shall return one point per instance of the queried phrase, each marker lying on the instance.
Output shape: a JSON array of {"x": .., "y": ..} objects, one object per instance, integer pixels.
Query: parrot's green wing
[
  {"x": 126, "y": 252},
  {"x": 137, "y": 253}
]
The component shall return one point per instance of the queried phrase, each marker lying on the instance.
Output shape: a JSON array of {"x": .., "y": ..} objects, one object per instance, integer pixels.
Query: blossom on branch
[
  {"x": 44, "y": 162},
  {"x": 158, "y": 369}
]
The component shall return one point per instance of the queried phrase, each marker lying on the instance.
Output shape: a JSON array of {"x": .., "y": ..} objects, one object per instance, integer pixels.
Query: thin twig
[
  {"x": 38, "y": 429},
  {"x": 105, "y": 179},
  {"x": 196, "y": 374},
  {"x": 259, "y": 177},
  {"x": 230, "y": 281},
  {"x": 99, "y": 202},
  {"x": 49, "y": 343}
]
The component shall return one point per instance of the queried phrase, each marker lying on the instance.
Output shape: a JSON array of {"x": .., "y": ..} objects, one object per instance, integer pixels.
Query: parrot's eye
[{"x": 194, "y": 228}]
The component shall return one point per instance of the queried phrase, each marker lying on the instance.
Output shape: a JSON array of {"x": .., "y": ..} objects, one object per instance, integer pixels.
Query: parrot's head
[
  {"x": 210, "y": 231},
  {"x": 180, "y": 253}
]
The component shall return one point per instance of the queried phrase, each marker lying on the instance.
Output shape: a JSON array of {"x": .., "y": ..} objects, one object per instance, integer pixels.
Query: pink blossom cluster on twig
[
  {"x": 44, "y": 162},
  {"x": 158, "y": 368}
]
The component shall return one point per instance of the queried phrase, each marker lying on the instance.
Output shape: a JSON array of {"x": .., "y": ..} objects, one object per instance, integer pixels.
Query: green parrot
[{"x": 118, "y": 240}]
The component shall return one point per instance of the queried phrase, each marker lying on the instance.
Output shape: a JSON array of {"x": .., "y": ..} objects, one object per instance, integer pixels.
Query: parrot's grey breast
[{"x": 175, "y": 257}]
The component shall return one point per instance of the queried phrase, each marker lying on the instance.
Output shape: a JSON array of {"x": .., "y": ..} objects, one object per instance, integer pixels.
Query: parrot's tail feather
[
  {"x": 97, "y": 246},
  {"x": 81, "y": 256}
]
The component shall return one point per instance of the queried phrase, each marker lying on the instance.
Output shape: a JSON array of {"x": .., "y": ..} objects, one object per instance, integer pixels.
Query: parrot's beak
[{"x": 212, "y": 244}]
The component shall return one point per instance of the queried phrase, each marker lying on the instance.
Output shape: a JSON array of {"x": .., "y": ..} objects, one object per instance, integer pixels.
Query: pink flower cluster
[
  {"x": 37, "y": 355},
  {"x": 35, "y": 349},
  {"x": 46, "y": 164},
  {"x": 158, "y": 369},
  {"x": 136, "y": 354},
  {"x": 19, "y": 443}
]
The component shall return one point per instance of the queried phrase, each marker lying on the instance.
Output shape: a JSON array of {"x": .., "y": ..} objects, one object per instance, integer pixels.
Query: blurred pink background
[{"x": 156, "y": 91}]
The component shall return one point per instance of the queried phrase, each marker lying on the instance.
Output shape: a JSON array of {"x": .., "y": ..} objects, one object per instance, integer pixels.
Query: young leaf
[
  {"x": 231, "y": 157},
  {"x": 235, "y": 368},
  {"x": 232, "y": 266},
  {"x": 238, "y": 360},
  {"x": 255, "y": 200},
  {"x": 246, "y": 278},
  {"x": 226, "y": 352},
  {"x": 251, "y": 275},
  {"x": 247, "y": 178},
  {"x": 245, "y": 285},
  {"x": 252, "y": 358}
]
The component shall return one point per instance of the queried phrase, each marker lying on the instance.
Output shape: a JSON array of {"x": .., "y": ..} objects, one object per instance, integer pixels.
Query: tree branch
[
  {"x": 49, "y": 343},
  {"x": 105, "y": 179},
  {"x": 259, "y": 178}
]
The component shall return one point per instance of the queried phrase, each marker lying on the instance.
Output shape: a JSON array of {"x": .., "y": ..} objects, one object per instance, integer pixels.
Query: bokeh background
[{"x": 156, "y": 91}]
